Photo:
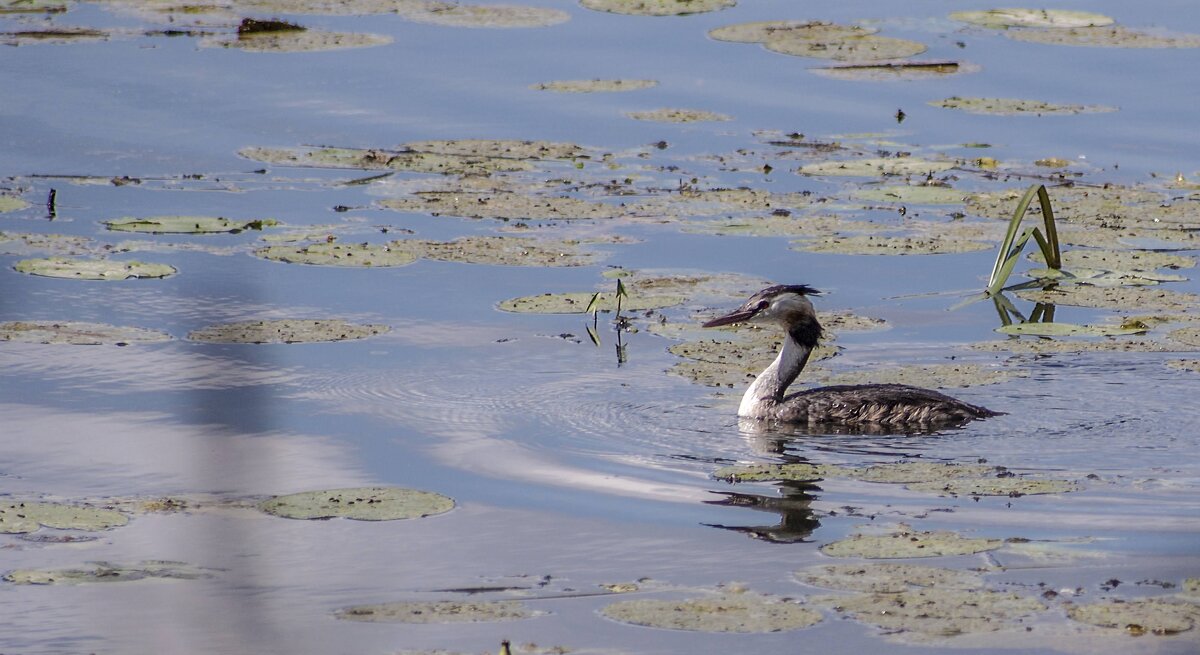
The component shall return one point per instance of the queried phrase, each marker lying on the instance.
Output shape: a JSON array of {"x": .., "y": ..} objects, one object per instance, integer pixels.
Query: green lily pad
[
  {"x": 794, "y": 472},
  {"x": 1069, "y": 330},
  {"x": 912, "y": 194},
  {"x": 877, "y": 167},
  {"x": 870, "y": 47},
  {"x": 187, "y": 224},
  {"x": 109, "y": 572},
  {"x": 593, "y": 86},
  {"x": 1114, "y": 36},
  {"x": 905, "y": 543},
  {"x": 578, "y": 301},
  {"x": 286, "y": 331},
  {"x": 440, "y": 611},
  {"x": 1056, "y": 18},
  {"x": 296, "y": 41},
  {"x": 1138, "y": 616},
  {"x": 886, "y": 578},
  {"x": 92, "y": 269},
  {"x": 11, "y": 204},
  {"x": 736, "y": 613},
  {"x": 657, "y": 7},
  {"x": 911, "y": 472},
  {"x": 869, "y": 244},
  {"x": 77, "y": 333},
  {"x": 669, "y": 115},
  {"x": 1016, "y": 106},
  {"x": 359, "y": 503},
  {"x": 380, "y": 159},
  {"x": 343, "y": 254},
  {"x": 455, "y": 14},
  {"x": 17, "y": 517},
  {"x": 937, "y": 612},
  {"x": 761, "y": 31},
  {"x": 993, "y": 486}
]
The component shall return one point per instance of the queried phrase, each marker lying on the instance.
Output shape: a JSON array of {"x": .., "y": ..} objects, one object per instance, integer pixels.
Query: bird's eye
[{"x": 763, "y": 304}]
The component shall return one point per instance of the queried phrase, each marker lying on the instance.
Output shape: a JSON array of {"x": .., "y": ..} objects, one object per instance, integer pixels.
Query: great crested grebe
[{"x": 897, "y": 405}]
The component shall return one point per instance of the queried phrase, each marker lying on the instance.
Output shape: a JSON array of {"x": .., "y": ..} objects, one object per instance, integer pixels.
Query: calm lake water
[{"x": 565, "y": 460}]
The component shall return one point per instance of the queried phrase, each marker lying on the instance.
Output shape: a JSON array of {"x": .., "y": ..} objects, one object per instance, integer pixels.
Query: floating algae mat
[
  {"x": 670, "y": 115},
  {"x": 1114, "y": 36},
  {"x": 286, "y": 331},
  {"x": 296, "y": 41},
  {"x": 906, "y": 472},
  {"x": 499, "y": 148},
  {"x": 77, "y": 333},
  {"x": 877, "y": 167},
  {"x": 911, "y": 194},
  {"x": 1057, "y": 18},
  {"x": 761, "y": 31},
  {"x": 870, "y": 244},
  {"x": 458, "y": 14},
  {"x": 906, "y": 543},
  {"x": 1147, "y": 298},
  {"x": 935, "y": 375},
  {"x": 1070, "y": 330},
  {"x": 341, "y": 254},
  {"x": 931, "y": 613},
  {"x": 644, "y": 290},
  {"x": 92, "y": 269},
  {"x": 17, "y": 517},
  {"x": 744, "y": 612},
  {"x": 109, "y": 572},
  {"x": 657, "y": 7},
  {"x": 884, "y": 71},
  {"x": 594, "y": 86},
  {"x": 509, "y": 251},
  {"x": 1012, "y": 487},
  {"x": 444, "y": 611},
  {"x": 1015, "y": 106},
  {"x": 505, "y": 206},
  {"x": 577, "y": 302},
  {"x": 359, "y": 503},
  {"x": 886, "y": 578},
  {"x": 382, "y": 159},
  {"x": 11, "y": 204},
  {"x": 792, "y": 472},
  {"x": 1139, "y": 616},
  {"x": 31, "y": 242},
  {"x": 187, "y": 224},
  {"x": 870, "y": 47}
]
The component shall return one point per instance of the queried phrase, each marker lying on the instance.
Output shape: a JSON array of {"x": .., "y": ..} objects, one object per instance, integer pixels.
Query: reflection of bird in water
[{"x": 867, "y": 405}]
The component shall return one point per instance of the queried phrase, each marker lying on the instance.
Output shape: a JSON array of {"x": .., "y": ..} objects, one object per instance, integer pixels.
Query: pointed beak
[{"x": 739, "y": 315}]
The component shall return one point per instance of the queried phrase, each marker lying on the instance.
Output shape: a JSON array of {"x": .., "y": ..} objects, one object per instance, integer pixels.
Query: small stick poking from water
[{"x": 50, "y": 209}]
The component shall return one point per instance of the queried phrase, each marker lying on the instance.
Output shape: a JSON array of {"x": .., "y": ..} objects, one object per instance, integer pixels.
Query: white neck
[{"x": 766, "y": 392}]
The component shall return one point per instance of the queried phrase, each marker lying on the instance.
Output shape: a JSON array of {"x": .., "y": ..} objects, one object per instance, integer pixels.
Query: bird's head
[{"x": 786, "y": 305}]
